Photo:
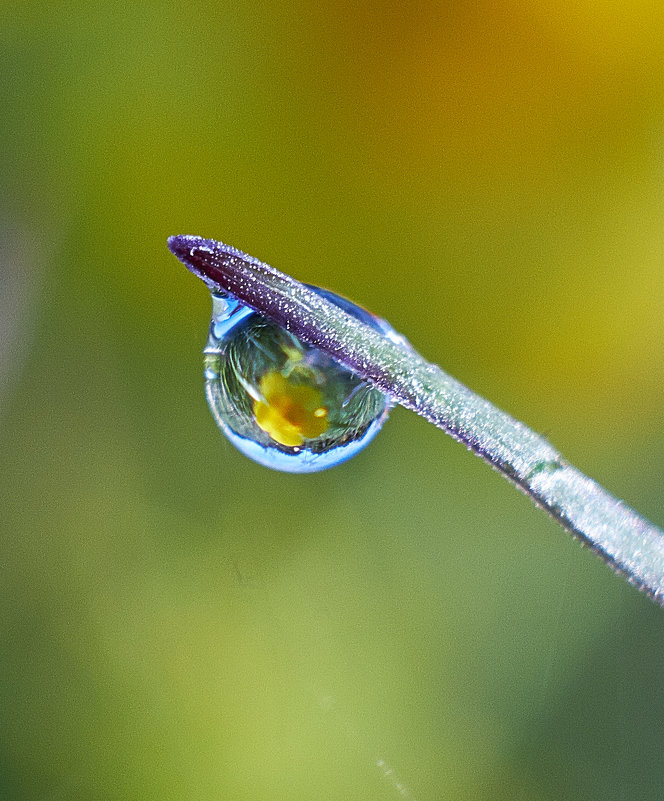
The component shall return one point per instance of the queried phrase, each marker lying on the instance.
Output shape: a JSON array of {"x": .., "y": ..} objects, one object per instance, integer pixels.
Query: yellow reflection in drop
[{"x": 289, "y": 413}]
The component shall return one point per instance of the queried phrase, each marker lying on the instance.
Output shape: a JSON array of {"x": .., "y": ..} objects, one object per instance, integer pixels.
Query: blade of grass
[{"x": 623, "y": 539}]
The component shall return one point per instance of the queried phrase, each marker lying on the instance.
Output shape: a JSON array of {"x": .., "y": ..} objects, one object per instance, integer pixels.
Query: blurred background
[{"x": 180, "y": 623}]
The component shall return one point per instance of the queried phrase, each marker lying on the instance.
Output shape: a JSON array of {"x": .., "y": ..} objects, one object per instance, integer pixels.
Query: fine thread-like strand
[{"x": 623, "y": 539}]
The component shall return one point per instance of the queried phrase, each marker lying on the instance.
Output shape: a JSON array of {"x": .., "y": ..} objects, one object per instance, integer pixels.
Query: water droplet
[{"x": 281, "y": 402}]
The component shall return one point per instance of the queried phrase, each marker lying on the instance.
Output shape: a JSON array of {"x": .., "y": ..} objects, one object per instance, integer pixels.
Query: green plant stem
[{"x": 623, "y": 539}]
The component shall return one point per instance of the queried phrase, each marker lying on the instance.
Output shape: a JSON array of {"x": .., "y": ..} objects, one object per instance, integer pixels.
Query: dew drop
[{"x": 283, "y": 403}]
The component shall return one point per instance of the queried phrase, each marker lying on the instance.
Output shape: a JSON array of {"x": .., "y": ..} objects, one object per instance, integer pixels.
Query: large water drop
[{"x": 283, "y": 403}]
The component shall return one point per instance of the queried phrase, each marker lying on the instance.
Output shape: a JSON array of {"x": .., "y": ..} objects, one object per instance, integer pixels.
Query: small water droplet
[{"x": 281, "y": 402}]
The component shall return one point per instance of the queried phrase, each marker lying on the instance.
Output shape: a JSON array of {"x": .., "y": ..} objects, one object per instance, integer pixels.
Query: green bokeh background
[{"x": 179, "y": 623}]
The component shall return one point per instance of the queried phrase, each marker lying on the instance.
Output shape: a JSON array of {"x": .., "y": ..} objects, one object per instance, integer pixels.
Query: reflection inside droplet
[{"x": 283, "y": 403}]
